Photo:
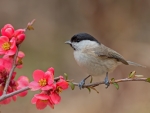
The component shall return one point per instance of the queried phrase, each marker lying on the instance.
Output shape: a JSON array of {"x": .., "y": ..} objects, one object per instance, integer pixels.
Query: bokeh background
[{"x": 123, "y": 25}]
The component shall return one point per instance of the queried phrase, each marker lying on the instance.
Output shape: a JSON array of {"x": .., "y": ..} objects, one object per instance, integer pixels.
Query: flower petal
[
  {"x": 41, "y": 96},
  {"x": 34, "y": 86},
  {"x": 33, "y": 100},
  {"x": 63, "y": 84},
  {"x": 55, "y": 98},
  {"x": 47, "y": 87},
  {"x": 37, "y": 75},
  {"x": 41, "y": 104}
]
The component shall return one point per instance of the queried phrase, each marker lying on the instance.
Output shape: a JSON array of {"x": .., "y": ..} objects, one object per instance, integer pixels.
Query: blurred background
[{"x": 123, "y": 25}]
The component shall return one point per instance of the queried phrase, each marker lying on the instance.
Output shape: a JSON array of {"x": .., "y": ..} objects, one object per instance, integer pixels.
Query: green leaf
[
  {"x": 116, "y": 85},
  {"x": 66, "y": 76},
  {"x": 148, "y": 80},
  {"x": 95, "y": 89},
  {"x": 112, "y": 79},
  {"x": 91, "y": 79},
  {"x": 132, "y": 74},
  {"x": 71, "y": 85},
  {"x": 89, "y": 89}
]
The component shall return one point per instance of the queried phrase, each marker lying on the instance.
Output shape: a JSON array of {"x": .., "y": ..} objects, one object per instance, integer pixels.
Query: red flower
[
  {"x": 6, "y": 62},
  {"x": 42, "y": 100},
  {"x": 42, "y": 80},
  {"x": 9, "y": 60},
  {"x": 62, "y": 84},
  {"x": 22, "y": 81},
  {"x": 58, "y": 88},
  {"x": 19, "y": 59},
  {"x": 55, "y": 97},
  {"x": 6, "y": 46},
  {"x": 20, "y": 36},
  {"x": 7, "y": 31}
]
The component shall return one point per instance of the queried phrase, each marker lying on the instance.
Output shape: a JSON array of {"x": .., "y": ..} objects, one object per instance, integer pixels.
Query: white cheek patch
[{"x": 84, "y": 44}]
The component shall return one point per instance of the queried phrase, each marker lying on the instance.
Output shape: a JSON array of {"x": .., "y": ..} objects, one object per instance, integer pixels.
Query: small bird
[{"x": 95, "y": 58}]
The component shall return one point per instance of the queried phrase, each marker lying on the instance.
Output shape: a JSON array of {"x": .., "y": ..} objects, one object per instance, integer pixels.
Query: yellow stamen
[
  {"x": 6, "y": 46},
  {"x": 59, "y": 89},
  {"x": 42, "y": 82}
]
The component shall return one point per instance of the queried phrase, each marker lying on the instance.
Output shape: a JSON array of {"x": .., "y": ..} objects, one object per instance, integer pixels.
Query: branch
[
  {"x": 11, "y": 72},
  {"x": 76, "y": 84},
  {"x": 111, "y": 82}
]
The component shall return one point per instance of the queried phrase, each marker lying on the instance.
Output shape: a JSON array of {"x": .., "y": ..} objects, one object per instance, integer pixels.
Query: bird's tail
[{"x": 135, "y": 64}]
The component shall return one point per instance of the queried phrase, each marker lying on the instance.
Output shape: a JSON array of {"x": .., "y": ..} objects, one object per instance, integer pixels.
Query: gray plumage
[{"x": 94, "y": 57}]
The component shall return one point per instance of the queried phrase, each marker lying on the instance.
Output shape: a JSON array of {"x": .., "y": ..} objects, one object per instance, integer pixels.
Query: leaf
[
  {"x": 89, "y": 89},
  {"x": 95, "y": 89},
  {"x": 66, "y": 76},
  {"x": 91, "y": 79},
  {"x": 116, "y": 85},
  {"x": 71, "y": 85},
  {"x": 132, "y": 74},
  {"x": 112, "y": 79},
  {"x": 29, "y": 26},
  {"x": 148, "y": 80}
]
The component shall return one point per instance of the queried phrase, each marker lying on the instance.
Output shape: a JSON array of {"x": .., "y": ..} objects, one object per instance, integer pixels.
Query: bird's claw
[
  {"x": 106, "y": 81},
  {"x": 81, "y": 84}
]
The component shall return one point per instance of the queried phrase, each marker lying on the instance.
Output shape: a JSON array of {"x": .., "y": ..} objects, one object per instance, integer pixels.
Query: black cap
[{"x": 83, "y": 36}]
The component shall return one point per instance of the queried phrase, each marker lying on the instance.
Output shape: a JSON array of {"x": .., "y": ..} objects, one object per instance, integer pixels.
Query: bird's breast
[{"x": 94, "y": 65}]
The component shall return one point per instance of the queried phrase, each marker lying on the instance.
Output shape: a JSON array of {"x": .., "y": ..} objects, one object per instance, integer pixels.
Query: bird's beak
[{"x": 68, "y": 42}]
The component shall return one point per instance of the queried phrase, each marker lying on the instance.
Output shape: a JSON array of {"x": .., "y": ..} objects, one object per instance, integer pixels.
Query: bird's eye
[{"x": 77, "y": 40}]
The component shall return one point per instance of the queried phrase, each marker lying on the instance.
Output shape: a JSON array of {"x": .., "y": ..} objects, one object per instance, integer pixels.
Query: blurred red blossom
[
  {"x": 42, "y": 80},
  {"x": 7, "y": 30},
  {"x": 7, "y": 46},
  {"x": 42, "y": 100},
  {"x": 51, "y": 95},
  {"x": 22, "y": 82},
  {"x": 19, "y": 35}
]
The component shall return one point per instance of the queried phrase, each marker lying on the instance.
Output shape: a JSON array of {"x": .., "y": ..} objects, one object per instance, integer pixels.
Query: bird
[{"x": 95, "y": 58}]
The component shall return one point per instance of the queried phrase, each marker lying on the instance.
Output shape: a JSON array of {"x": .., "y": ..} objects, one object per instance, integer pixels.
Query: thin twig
[
  {"x": 11, "y": 72},
  {"x": 76, "y": 84}
]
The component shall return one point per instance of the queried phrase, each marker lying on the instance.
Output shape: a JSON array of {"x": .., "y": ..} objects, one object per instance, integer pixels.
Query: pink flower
[
  {"x": 20, "y": 36},
  {"x": 55, "y": 98},
  {"x": 6, "y": 46},
  {"x": 22, "y": 81},
  {"x": 62, "y": 84},
  {"x": 9, "y": 60},
  {"x": 42, "y": 100},
  {"x": 19, "y": 59},
  {"x": 7, "y": 31},
  {"x": 6, "y": 62},
  {"x": 42, "y": 80},
  {"x": 51, "y": 72},
  {"x": 58, "y": 88}
]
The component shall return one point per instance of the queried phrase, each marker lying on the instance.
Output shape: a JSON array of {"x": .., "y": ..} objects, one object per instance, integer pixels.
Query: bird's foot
[
  {"x": 106, "y": 80},
  {"x": 81, "y": 84}
]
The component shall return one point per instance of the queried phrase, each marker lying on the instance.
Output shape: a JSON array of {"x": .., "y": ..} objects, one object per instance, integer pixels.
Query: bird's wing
[{"x": 106, "y": 52}]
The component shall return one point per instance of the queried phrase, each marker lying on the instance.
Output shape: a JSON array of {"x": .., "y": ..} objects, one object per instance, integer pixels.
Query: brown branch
[
  {"x": 11, "y": 72},
  {"x": 76, "y": 84},
  {"x": 111, "y": 82}
]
